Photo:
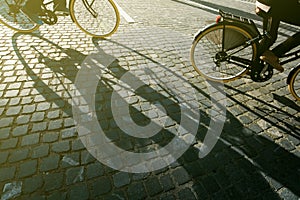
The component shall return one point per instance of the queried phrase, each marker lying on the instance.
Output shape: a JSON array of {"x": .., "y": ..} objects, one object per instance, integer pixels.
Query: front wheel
[
  {"x": 220, "y": 52},
  {"x": 98, "y": 18},
  {"x": 294, "y": 83}
]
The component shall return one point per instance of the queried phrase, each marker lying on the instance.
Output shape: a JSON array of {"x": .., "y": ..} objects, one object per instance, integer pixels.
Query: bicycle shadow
[
  {"x": 243, "y": 164},
  {"x": 62, "y": 63},
  {"x": 236, "y": 167}
]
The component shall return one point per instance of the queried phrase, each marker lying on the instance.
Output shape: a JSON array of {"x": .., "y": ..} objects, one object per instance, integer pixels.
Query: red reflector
[{"x": 218, "y": 19}]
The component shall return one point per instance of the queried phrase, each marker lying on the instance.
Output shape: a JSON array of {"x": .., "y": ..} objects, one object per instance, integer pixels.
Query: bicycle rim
[
  {"x": 207, "y": 48},
  {"x": 12, "y": 17},
  {"x": 294, "y": 84},
  {"x": 98, "y": 18}
]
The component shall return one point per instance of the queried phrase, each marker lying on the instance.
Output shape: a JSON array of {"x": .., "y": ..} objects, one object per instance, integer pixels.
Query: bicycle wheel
[
  {"x": 98, "y": 18},
  {"x": 12, "y": 16},
  {"x": 213, "y": 51},
  {"x": 294, "y": 83}
]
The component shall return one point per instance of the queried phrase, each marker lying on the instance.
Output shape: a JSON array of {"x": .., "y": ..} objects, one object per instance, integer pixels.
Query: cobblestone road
[{"x": 42, "y": 155}]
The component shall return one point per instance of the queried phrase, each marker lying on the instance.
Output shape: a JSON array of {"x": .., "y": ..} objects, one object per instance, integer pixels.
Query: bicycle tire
[
  {"x": 294, "y": 83},
  {"x": 104, "y": 24},
  {"x": 14, "y": 18},
  {"x": 207, "y": 45}
]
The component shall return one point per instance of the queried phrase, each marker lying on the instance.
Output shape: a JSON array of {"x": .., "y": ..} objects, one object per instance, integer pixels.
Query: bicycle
[
  {"x": 97, "y": 18},
  {"x": 229, "y": 48}
]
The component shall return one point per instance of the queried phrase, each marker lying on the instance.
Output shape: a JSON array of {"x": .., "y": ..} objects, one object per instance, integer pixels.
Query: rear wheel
[
  {"x": 216, "y": 48},
  {"x": 98, "y": 18},
  {"x": 294, "y": 83},
  {"x": 12, "y": 16}
]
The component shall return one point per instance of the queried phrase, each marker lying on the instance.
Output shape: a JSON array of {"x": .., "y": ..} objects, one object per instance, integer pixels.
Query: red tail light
[{"x": 218, "y": 18}]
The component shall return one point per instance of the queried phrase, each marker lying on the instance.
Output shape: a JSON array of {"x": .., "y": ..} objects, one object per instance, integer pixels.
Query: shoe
[
  {"x": 269, "y": 57},
  {"x": 33, "y": 16}
]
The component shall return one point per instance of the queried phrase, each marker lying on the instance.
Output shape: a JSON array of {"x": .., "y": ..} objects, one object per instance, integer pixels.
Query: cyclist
[
  {"x": 33, "y": 8},
  {"x": 274, "y": 11}
]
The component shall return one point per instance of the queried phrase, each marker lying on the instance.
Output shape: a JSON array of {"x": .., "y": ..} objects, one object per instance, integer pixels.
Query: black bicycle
[
  {"x": 229, "y": 48},
  {"x": 98, "y": 18}
]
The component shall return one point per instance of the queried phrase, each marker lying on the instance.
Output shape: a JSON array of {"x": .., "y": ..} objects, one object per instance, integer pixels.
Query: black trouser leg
[
  {"x": 287, "y": 45},
  {"x": 59, "y": 4}
]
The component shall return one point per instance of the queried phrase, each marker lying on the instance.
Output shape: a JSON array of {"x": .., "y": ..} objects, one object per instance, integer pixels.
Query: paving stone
[
  {"x": 55, "y": 124},
  {"x": 166, "y": 196},
  {"x": 39, "y": 127},
  {"x": 77, "y": 145},
  {"x": 53, "y": 181},
  {"x": 53, "y": 114},
  {"x": 49, "y": 163},
  {"x": 28, "y": 109},
  {"x": 18, "y": 155},
  {"x": 38, "y": 117},
  {"x": 6, "y": 121},
  {"x": 211, "y": 185},
  {"x": 153, "y": 186},
  {"x": 57, "y": 196},
  {"x": 9, "y": 143},
  {"x": 71, "y": 159},
  {"x": 4, "y": 133},
  {"x": 20, "y": 130},
  {"x": 3, "y": 157},
  {"x": 94, "y": 170},
  {"x": 60, "y": 147},
  {"x": 79, "y": 192},
  {"x": 136, "y": 191},
  {"x": 43, "y": 106},
  {"x": 50, "y": 137},
  {"x": 121, "y": 179},
  {"x": 12, "y": 111},
  {"x": 27, "y": 168},
  {"x": 115, "y": 195},
  {"x": 186, "y": 193},
  {"x": 101, "y": 186},
  {"x": 181, "y": 176},
  {"x": 7, "y": 173},
  {"x": 74, "y": 175},
  {"x": 69, "y": 133},
  {"x": 30, "y": 139},
  {"x": 40, "y": 151},
  {"x": 32, "y": 184},
  {"x": 23, "y": 119},
  {"x": 86, "y": 158}
]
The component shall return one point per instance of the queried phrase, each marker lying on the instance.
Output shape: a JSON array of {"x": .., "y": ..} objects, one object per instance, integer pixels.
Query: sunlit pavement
[{"x": 44, "y": 149}]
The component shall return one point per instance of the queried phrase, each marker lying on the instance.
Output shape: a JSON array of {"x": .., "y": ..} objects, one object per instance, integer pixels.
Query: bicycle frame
[{"x": 246, "y": 23}]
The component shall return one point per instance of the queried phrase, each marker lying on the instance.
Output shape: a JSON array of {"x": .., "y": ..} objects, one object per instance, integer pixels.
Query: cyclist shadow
[
  {"x": 243, "y": 164},
  {"x": 60, "y": 68},
  {"x": 236, "y": 166}
]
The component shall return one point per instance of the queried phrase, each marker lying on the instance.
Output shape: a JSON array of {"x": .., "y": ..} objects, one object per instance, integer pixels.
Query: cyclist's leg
[
  {"x": 271, "y": 25},
  {"x": 33, "y": 8},
  {"x": 60, "y": 6},
  {"x": 288, "y": 44}
]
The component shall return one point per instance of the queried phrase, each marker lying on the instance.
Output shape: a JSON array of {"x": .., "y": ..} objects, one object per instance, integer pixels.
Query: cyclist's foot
[
  {"x": 269, "y": 57},
  {"x": 33, "y": 16},
  {"x": 63, "y": 10}
]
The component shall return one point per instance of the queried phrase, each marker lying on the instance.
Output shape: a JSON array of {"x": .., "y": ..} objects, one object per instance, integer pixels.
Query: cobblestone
[
  {"x": 49, "y": 163},
  {"x": 255, "y": 157},
  {"x": 30, "y": 139},
  {"x": 18, "y": 155}
]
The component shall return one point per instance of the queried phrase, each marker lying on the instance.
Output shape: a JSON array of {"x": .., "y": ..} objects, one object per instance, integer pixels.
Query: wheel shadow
[{"x": 242, "y": 165}]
